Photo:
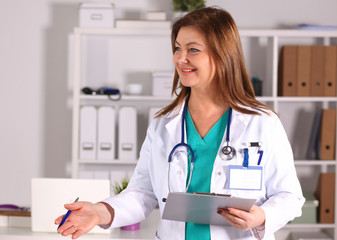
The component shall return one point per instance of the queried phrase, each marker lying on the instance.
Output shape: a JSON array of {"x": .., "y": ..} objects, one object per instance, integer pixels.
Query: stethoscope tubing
[
  {"x": 229, "y": 124},
  {"x": 188, "y": 147}
]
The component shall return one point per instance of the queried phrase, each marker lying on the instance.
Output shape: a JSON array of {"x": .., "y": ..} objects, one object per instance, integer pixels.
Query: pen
[
  {"x": 66, "y": 216},
  {"x": 260, "y": 158},
  {"x": 246, "y": 158}
]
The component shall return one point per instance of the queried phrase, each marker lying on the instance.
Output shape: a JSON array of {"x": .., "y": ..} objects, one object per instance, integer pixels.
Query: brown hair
[{"x": 224, "y": 42}]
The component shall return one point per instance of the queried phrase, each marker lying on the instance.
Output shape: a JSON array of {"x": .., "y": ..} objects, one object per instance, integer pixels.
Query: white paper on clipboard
[{"x": 202, "y": 208}]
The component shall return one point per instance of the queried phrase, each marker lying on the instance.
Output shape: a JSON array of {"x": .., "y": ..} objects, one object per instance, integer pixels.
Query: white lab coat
[{"x": 281, "y": 195}]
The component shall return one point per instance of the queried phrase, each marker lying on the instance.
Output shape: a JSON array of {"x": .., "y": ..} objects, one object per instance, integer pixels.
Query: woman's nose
[{"x": 182, "y": 57}]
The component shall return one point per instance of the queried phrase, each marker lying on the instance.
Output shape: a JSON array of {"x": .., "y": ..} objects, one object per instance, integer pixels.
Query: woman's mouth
[{"x": 188, "y": 70}]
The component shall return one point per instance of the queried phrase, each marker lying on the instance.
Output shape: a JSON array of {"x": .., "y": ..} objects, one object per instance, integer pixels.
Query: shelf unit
[{"x": 262, "y": 52}]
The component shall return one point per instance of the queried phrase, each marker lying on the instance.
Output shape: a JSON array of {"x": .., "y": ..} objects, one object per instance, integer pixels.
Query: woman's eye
[
  {"x": 193, "y": 50},
  {"x": 177, "y": 49}
]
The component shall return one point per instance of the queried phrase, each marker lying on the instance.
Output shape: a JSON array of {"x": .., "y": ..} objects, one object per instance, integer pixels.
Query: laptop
[{"x": 50, "y": 194}]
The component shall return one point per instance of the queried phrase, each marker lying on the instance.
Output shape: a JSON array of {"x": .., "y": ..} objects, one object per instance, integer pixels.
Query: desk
[
  {"x": 146, "y": 232},
  {"x": 24, "y": 233}
]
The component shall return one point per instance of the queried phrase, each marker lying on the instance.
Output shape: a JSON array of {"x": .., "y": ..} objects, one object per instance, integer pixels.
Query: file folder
[
  {"x": 317, "y": 71},
  {"x": 328, "y": 134},
  {"x": 88, "y": 132},
  {"x": 330, "y": 71},
  {"x": 288, "y": 71},
  {"x": 127, "y": 133},
  {"x": 106, "y": 133},
  {"x": 325, "y": 193},
  {"x": 303, "y": 70}
]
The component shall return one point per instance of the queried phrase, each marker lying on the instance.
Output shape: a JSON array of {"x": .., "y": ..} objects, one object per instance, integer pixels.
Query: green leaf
[
  {"x": 120, "y": 186},
  {"x": 187, "y": 5}
]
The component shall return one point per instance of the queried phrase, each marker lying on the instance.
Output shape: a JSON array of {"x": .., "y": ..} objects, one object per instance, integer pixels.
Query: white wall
[
  {"x": 35, "y": 118},
  {"x": 278, "y": 14}
]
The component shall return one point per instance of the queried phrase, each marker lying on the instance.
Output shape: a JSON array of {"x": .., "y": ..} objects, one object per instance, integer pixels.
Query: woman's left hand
[{"x": 243, "y": 220}]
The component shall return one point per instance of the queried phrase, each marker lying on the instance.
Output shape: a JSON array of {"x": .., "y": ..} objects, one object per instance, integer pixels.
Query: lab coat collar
[
  {"x": 238, "y": 124},
  {"x": 174, "y": 125},
  {"x": 178, "y": 110}
]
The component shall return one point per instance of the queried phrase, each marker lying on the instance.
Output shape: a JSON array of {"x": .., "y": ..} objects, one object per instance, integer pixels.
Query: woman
[{"x": 215, "y": 96}]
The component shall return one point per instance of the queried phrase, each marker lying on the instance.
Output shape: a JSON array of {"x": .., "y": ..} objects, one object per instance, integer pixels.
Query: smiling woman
[{"x": 216, "y": 109}]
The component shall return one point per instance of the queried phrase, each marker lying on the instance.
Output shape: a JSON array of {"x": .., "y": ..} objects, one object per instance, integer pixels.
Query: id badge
[{"x": 242, "y": 178}]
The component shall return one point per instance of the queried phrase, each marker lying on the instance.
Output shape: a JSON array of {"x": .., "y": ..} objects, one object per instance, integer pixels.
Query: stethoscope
[{"x": 227, "y": 152}]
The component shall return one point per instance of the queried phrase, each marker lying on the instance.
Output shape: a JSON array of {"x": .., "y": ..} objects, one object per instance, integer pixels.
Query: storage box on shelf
[
  {"x": 317, "y": 235},
  {"x": 309, "y": 210},
  {"x": 100, "y": 59},
  {"x": 96, "y": 15}
]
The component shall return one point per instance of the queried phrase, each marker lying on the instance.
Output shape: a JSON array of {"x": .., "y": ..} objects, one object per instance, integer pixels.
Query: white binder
[
  {"x": 127, "y": 133},
  {"x": 106, "y": 133},
  {"x": 88, "y": 125}
]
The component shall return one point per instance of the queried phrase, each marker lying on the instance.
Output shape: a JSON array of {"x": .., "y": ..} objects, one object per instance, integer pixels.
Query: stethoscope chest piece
[{"x": 227, "y": 153}]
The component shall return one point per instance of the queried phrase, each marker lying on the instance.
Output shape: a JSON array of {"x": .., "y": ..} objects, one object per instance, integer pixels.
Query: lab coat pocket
[
  {"x": 251, "y": 154},
  {"x": 256, "y": 156},
  {"x": 177, "y": 173}
]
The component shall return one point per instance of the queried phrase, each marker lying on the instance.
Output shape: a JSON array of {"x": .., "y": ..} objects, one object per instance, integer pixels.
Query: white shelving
[{"x": 262, "y": 52}]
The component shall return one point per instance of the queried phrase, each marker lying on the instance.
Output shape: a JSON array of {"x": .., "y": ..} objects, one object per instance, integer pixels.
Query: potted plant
[
  {"x": 118, "y": 188},
  {"x": 187, "y": 5}
]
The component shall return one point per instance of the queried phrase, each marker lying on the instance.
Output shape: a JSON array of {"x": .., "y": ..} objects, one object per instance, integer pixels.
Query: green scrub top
[{"x": 205, "y": 150}]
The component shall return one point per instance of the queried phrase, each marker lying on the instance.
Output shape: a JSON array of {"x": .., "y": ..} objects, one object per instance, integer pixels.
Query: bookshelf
[{"x": 147, "y": 50}]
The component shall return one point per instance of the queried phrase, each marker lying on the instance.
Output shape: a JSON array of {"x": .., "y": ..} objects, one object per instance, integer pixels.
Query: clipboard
[{"x": 202, "y": 207}]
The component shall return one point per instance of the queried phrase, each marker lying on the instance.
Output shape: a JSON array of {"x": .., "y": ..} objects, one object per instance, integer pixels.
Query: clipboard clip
[{"x": 212, "y": 194}]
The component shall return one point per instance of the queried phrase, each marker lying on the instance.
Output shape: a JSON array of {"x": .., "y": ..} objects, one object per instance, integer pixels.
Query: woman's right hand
[{"x": 84, "y": 217}]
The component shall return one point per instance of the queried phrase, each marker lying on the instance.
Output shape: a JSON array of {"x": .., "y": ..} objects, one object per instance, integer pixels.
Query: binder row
[
  {"x": 308, "y": 71},
  {"x": 98, "y": 133}
]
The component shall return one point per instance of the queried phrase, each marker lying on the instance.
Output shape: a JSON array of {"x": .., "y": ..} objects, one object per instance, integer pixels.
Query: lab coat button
[
  {"x": 179, "y": 172},
  {"x": 219, "y": 173}
]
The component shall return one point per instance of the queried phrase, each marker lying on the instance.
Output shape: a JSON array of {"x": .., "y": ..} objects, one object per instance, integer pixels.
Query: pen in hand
[{"x": 66, "y": 216}]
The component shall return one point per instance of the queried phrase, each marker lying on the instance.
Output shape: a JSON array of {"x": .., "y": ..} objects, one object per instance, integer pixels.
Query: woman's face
[{"x": 193, "y": 60}]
